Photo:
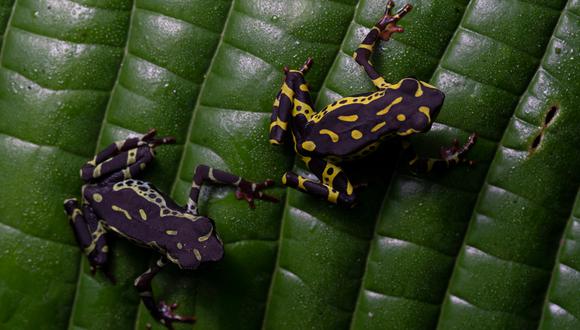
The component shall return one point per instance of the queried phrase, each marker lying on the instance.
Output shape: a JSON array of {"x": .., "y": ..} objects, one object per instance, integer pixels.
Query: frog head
[{"x": 428, "y": 110}]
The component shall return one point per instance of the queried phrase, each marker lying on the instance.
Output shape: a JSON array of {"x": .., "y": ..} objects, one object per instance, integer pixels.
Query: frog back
[
  {"x": 356, "y": 123},
  {"x": 139, "y": 212}
]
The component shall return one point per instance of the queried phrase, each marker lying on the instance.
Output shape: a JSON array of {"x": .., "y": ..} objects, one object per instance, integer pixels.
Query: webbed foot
[
  {"x": 305, "y": 67},
  {"x": 458, "y": 152},
  {"x": 167, "y": 315},
  {"x": 389, "y": 21},
  {"x": 252, "y": 191},
  {"x": 153, "y": 142}
]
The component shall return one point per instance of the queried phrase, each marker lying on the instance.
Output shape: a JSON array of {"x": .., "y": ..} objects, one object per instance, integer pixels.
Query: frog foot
[
  {"x": 389, "y": 21},
  {"x": 167, "y": 316},
  {"x": 458, "y": 152},
  {"x": 251, "y": 191},
  {"x": 304, "y": 69},
  {"x": 153, "y": 142}
]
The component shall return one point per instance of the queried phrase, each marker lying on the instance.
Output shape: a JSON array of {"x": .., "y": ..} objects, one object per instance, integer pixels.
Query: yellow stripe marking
[
  {"x": 419, "y": 91},
  {"x": 97, "y": 171},
  {"x": 407, "y": 132},
  {"x": 349, "y": 188},
  {"x": 283, "y": 125},
  {"x": 425, "y": 111},
  {"x": 388, "y": 108},
  {"x": 272, "y": 141},
  {"x": 356, "y": 134},
  {"x": 332, "y": 195},
  {"x": 301, "y": 181},
  {"x": 118, "y": 209},
  {"x": 206, "y": 236},
  {"x": 350, "y": 118},
  {"x": 367, "y": 47},
  {"x": 276, "y": 102},
  {"x": 76, "y": 212},
  {"x": 333, "y": 136},
  {"x": 378, "y": 127},
  {"x": 286, "y": 90},
  {"x": 380, "y": 82},
  {"x": 143, "y": 214}
]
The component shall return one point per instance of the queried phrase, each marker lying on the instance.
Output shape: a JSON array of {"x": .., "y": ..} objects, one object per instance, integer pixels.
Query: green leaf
[{"x": 477, "y": 247}]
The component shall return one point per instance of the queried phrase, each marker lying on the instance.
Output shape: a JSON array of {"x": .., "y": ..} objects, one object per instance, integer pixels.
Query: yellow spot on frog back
[
  {"x": 308, "y": 145},
  {"x": 333, "y": 136},
  {"x": 143, "y": 214},
  {"x": 356, "y": 134},
  {"x": 425, "y": 111},
  {"x": 388, "y": 108},
  {"x": 351, "y": 118},
  {"x": 378, "y": 127},
  {"x": 171, "y": 232},
  {"x": 97, "y": 197},
  {"x": 401, "y": 117},
  {"x": 304, "y": 87},
  {"x": 179, "y": 245},
  {"x": 197, "y": 254}
]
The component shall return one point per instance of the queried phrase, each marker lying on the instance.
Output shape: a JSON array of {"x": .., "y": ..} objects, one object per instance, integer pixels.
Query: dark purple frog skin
[
  {"x": 114, "y": 201},
  {"x": 353, "y": 127}
]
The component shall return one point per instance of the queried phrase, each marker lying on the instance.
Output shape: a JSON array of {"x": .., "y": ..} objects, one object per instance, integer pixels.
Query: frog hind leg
[
  {"x": 334, "y": 186},
  {"x": 162, "y": 312},
  {"x": 384, "y": 28},
  {"x": 294, "y": 102},
  {"x": 90, "y": 235}
]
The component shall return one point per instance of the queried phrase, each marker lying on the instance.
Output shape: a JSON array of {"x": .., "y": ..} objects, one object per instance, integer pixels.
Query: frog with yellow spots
[{"x": 353, "y": 127}]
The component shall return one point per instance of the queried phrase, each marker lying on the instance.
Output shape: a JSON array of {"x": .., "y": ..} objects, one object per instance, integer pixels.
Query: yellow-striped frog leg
[
  {"x": 354, "y": 127},
  {"x": 114, "y": 201}
]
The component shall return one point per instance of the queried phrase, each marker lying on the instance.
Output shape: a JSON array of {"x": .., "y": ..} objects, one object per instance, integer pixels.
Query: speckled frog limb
[
  {"x": 353, "y": 127},
  {"x": 114, "y": 201}
]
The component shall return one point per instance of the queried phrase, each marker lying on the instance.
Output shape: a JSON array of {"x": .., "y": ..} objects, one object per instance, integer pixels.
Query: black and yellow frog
[
  {"x": 114, "y": 201},
  {"x": 354, "y": 126}
]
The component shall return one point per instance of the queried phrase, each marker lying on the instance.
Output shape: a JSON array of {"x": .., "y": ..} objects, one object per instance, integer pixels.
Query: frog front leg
[
  {"x": 384, "y": 28},
  {"x": 450, "y": 156},
  {"x": 246, "y": 190},
  {"x": 123, "y": 159},
  {"x": 292, "y": 106},
  {"x": 90, "y": 234},
  {"x": 161, "y": 312},
  {"x": 334, "y": 186}
]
